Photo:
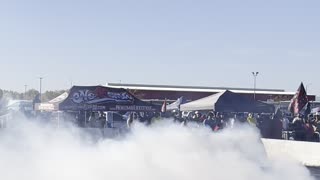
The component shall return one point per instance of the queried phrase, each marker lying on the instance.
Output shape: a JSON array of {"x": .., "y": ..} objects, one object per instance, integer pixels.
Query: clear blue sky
[{"x": 182, "y": 42}]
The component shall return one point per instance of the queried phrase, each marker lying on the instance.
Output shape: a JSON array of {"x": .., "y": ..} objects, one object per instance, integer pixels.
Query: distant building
[
  {"x": 171, "y": 93},
  {"x": 283, "y": 105}
]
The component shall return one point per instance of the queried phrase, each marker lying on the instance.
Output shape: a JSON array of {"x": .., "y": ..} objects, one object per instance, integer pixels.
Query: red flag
[
  {"x": 299, "y": 100},
  {"x": 164, "y": 106}
]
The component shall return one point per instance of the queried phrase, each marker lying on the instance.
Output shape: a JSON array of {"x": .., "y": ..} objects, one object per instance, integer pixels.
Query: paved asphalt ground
[{"x": 315, "y": 172}]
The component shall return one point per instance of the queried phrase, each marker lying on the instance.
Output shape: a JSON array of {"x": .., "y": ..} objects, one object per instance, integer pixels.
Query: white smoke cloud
[{"x": 164, "y": 151}]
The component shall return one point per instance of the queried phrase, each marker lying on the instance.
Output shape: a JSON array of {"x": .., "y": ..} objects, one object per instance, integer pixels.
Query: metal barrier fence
[{"x": 288, "y": 135}]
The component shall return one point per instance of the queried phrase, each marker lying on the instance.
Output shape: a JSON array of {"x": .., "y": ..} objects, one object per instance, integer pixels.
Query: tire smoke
[{"x": 162, "y": 151}]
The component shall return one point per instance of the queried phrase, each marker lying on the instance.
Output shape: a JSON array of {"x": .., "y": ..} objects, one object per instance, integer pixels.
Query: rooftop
[{"x": 197, "y": 88}]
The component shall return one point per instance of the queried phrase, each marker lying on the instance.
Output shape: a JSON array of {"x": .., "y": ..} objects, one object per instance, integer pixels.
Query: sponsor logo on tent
[
  {"x": 100, "y": 95},
  {"x": 83, "y": 96},
  {"x": 132, "y": 108}
]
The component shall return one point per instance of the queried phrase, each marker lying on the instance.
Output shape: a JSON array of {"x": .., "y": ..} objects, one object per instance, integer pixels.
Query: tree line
[{"x": 30, "y": 95}]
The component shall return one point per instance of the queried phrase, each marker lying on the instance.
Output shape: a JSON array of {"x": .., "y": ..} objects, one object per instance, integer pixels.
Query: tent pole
[
  {"x": 58, "y": 119},
  {"x": 85, "y": 118}
]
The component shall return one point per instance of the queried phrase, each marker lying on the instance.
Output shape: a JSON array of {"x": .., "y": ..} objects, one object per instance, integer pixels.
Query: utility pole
[
  {"x": 25, "y": 91},
  {"x": 40, "y": 78},
  {"x": 255, "y": 74}
]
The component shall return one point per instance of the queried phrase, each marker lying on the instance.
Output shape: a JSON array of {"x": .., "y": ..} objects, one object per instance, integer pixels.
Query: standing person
[
  {"x": 130, "y": 120},
  {"x": 207, "y": 121},
  {"x": 109, "y": 120},
  {"x": 265, "y": 125},
  {"x": 177, "y": 116},
  {"x": 222, "y": 121},
  {"x": 251, "y": 120},
  {"x": 198, "y": 118},
  {"x": 310, "y": 130},
  {"x": 101, "y": 120},
  {"x": 136, "y": 117},
  {"x": 156, "y": 118},
  {"x": 92, "y": 119},
  {"x": 276, "y": 125},
  {"x": 241, "y": 118},
  {"x": 285, "y": 122},
  {"x": 236, "y": 121},
  {"x": 299, "y": 128},
  {"x": 148, "y": 117},
  {"x": 317, "y": 121},
  {"x": 230, "y": 119},
  {"x": 203, "y": 118},
  {"x": 211, "y": 122}
]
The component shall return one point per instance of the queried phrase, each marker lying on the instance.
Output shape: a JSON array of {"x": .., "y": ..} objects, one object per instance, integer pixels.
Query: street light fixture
[{"x": 255, "y": 74}]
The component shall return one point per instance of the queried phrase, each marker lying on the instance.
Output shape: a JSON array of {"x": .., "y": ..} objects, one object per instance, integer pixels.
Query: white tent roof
[
  {"x": 60, "y": 98},
  {"x": 201, "y": 104},
  {"x": 53, "y": 104}
]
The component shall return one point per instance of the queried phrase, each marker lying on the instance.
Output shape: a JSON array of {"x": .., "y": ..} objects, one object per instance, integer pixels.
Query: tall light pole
[
  {"x": 40, "y": 78},
  {"x": 25, "y": 91},
  {"x": 255, "y": 74}
]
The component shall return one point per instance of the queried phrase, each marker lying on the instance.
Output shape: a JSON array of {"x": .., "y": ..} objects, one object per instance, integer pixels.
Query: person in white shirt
[{"x": 285, "y": 123}]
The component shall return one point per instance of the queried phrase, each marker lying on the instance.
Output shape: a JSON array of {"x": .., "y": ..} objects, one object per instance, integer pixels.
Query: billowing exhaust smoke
[{"x": 30, "y": 151}]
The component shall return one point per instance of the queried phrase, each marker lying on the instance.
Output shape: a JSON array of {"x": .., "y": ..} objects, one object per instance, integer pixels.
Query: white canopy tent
[
  {"x": 52, "y": 105},
  {"x": 205, "y": 103}
]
